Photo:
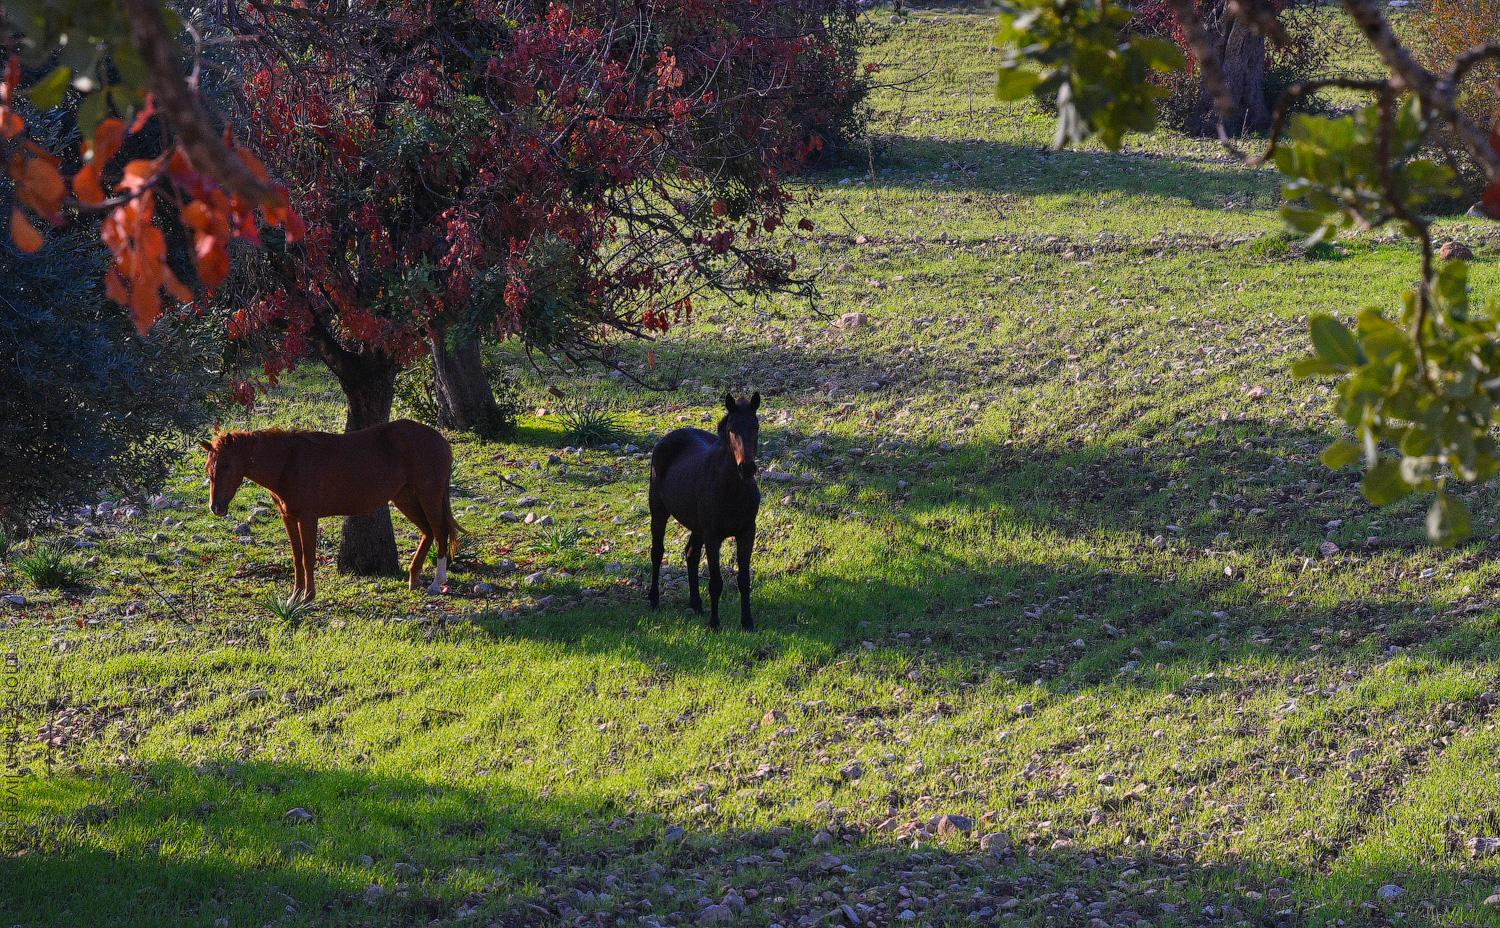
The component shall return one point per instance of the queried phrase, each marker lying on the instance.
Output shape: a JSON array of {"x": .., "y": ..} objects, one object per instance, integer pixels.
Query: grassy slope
[{"x": 1271, "y": 736}]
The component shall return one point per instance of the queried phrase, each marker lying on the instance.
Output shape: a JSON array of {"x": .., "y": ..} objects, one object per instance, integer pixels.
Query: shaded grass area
[{"x": 1033, "y": 554}]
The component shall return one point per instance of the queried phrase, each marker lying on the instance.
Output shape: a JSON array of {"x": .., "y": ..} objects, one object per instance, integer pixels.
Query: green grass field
[{"x": 1035, "y": 553}]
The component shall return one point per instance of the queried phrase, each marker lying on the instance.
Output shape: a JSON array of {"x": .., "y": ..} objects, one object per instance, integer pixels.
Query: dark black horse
[{"x": 707, "y": 482}]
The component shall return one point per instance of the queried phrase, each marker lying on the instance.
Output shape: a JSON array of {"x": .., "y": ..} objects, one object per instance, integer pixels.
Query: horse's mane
[{"x": 226, "y": 439}]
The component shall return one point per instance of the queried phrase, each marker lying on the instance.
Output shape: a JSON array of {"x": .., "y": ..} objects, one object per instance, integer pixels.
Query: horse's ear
[
  {"x": 205, "y": 445},
  {"x": 729, "y": 403},
  {"x": 755, "y": 401}
]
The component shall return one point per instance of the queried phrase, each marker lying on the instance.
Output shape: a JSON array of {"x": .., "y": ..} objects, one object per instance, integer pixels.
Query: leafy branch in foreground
[{"x": 1424, "y": 384}]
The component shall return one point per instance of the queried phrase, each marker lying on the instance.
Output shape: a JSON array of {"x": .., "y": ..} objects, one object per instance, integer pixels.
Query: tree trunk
[
  {"x": 464, "y": 397},
  {"x": 1242, "y": 54},
  {"x": 368, "y": 548}
]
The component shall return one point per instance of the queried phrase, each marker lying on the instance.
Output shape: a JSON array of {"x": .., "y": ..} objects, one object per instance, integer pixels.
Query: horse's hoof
[{"x": 696, "y": 607}]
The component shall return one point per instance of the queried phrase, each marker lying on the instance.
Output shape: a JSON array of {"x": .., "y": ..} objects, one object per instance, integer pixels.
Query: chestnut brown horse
[
  {"x": 707, "y": 482},
  {"x": 316, "y": 474}
]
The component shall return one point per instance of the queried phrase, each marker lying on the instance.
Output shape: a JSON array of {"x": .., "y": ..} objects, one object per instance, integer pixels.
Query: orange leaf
[
  {"x": 144, "y": 116},
  {"x": 115, "y": 289},
  {"x": 86, "y": 185},
  {"x": 107, "y": 140},
  {"x": 212, "y": 260},
  {"x": 27, "y": 238},
  {"x": 145, "y": 307},
  {"x": 176, "y": 287},
  {"x": 138, "y": 175},
  {"x": 11, "y": 125},
  {"x": 41, "y": 187}
]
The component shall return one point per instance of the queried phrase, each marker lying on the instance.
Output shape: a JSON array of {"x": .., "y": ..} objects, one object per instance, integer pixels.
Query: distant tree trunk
[
  {"x": 1243, "y": 54},
  {"x": 464, "y": 397},
  {"x": 368, "y": 378}
]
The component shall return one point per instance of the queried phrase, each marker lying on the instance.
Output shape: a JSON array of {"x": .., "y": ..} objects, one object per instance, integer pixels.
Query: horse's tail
[{"x": 454, "y": 529}]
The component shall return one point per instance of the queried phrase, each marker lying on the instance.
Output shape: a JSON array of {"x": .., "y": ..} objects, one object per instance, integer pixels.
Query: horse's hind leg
[
  {"x": 294, "y": 535},
  {"x": 309, "y": 532},
  {"x": 435, "y": 508},
  {"x": 715, "y": 582},
  {"x": 658, "y": 544},
  {"x": 694, "y": 549},
  {"x": 406, "y": 501}
]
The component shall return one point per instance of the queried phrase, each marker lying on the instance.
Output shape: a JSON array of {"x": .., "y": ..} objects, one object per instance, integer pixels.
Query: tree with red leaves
[{"x": 564, "y": 175}]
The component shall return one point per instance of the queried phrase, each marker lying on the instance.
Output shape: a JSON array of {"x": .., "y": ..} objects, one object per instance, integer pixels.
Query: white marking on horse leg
[{"x": 441, "y": 578}]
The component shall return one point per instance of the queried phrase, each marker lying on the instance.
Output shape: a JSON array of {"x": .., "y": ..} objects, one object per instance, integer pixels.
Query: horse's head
[
  {"x": 740, "y": 430},
  {"x": 226, "y": 471}
]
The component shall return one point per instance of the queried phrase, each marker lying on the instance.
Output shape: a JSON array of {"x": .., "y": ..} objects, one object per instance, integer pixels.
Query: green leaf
[
  {"x": 91, "y": 113},
  {"x": 1448, "y": 521},
  {"x": 49, "y": 91},
  {"x": 1341, "y": 454},
  {"x": 1314, "y": 367},
  {"x": 1015, "y": 83},
  {"x": 1383, "y": 484},
  {"x": 1334, "y": 342}
]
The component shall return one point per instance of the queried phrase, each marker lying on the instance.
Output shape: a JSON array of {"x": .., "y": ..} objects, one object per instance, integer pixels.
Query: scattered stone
[
  {"x": 1493, "y": 901},
  {"x": 299, "y": 814},
  {"x": 851, "y": 321},
  {"x": 536, "y": 578},
  {"x": 1328, "y": 549},
  {"x": 1025, "y": 709},
  {"x": 242, "y": 529},
  {"x": 954, "y": 824},
  {"x": 1390, "y": 891},
  {"x": 1110, "y": 630},
  {"x": 543, "y": 521},
  {"x": 996, "y": 842},
  {"x": 852, "y": 772},
  {"x": 1257, "y": 392},
  {"x": 773, "y": 716},
  {"x": 483, "y": 589},
  {"x": 1456, "y": 251},
  {"x": 1483, "y": 847},
  {"x": 554, "y": 459},
  {"x": 715, "y": 914},
  {"x": 15, "y": 599},
  {"x": 509, "y": 517},
  {"x": 674, "y": 833},
  {"x": 160, "y": 502}
]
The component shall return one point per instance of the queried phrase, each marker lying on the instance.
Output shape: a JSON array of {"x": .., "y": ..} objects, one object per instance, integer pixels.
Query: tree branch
[{"x": 185, "y": 113}]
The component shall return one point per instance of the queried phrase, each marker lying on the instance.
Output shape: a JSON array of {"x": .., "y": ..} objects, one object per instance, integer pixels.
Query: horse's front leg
[
  {"x": 294, "y": 535},
  {"x": 310, "y": 555},
  {"x": 694, "y": 551},
  {"x": 744, "y": 544},
  {"x": 715, "y": 582}
]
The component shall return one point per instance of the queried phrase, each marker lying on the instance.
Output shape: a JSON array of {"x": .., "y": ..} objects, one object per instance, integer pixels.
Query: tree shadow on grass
[
  {"x": 982, "y": 166},
  {"x": 167, "y": 844},
  {"x": 1209, "y": 541}
]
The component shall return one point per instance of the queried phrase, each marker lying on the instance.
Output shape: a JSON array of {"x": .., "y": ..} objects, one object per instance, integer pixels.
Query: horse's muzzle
[
  {"x": 219, "y": 510},
  {"x": 747, "y": 469}
]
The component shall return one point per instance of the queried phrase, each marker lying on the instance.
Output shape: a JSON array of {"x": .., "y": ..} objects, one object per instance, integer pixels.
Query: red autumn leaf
[
  {"x": 138, "y": 175},
  {"x": 108, "y": 138},
  {"x": 11, "y": 125},
  {"x": 41, "y": 187},
  {"x": 22, "y": 233},
  {"x": 144, "y": 115}
]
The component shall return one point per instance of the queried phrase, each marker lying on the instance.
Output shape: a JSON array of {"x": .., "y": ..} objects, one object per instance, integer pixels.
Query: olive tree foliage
[
  {"x": 85, "y": 404},
  {"x": 1418, "y": 382}
]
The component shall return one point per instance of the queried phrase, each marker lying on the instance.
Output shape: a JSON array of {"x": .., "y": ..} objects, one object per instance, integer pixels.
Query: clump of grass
[
  {"x": 49, "y": 565},
  {"x": 589, "y": 423},
  {"x": 558, "y": 539},
  {"x": 291, "y": 609}
]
